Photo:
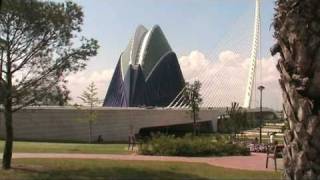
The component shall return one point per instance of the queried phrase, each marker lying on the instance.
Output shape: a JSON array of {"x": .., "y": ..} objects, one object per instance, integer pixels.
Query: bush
[{"x": 169, "y": 145}]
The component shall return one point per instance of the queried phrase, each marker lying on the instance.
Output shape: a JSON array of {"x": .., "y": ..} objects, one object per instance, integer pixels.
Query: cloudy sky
[{"x": 212, "y": 39}]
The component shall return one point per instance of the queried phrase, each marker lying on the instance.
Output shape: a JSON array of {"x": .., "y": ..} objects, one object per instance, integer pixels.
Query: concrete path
[{"x": 255, "y": 162}]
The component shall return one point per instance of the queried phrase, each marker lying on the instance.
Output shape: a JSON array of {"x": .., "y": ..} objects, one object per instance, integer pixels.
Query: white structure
[
  {"x": 113, "y": 124},
  {"x": 253, "y": 57},
  {"x": 212, "y": 89}
]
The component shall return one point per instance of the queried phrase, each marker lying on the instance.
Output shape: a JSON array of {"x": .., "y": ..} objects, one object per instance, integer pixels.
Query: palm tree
[{"x": 297, "y": 30}]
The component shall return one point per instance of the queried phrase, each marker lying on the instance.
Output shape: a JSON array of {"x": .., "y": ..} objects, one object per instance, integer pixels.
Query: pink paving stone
[{"x": 254, "y": 162}]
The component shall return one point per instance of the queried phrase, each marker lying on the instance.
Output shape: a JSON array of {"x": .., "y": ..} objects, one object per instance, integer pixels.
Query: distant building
[{"x": 147, "y": 73}]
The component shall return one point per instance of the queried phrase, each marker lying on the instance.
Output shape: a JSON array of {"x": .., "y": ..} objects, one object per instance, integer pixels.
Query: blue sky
[
  {"x": 188, "y": 24},
  {"x": 205, "y": 27}
]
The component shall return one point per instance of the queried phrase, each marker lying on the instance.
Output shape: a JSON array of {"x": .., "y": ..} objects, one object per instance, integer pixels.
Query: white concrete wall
[{"x": 70, "y": 124}]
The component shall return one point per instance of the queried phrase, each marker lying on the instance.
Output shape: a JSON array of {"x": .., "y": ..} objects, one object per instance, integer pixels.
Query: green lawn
[
  {"x": 41, "y": 147},
  {"x": 47, "y": 169}
]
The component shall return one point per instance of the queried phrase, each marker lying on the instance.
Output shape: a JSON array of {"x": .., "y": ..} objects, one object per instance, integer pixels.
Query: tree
[
  {"x": 41, "y": 39},
  {"x": 297, "y": 30},
  {"x": 193, "y": 100},
  {"x": 89, "y": 97},
  {"x": 57, "y": 96},
  {"x": 234, "y": 120}
]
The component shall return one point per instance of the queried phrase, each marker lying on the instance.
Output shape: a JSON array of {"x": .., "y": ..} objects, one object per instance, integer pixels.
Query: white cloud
[
  {"x": 230, "y": 58},
  {"x": 224, "y": 78},
  {"x": 270, "y": 78},
  {"x": 190, "y": 64},
  {"x": 78, "y": 82}
]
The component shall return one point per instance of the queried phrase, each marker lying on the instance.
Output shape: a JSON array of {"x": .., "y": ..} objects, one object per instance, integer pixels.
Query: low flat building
[{"x": 112, "y": 124}]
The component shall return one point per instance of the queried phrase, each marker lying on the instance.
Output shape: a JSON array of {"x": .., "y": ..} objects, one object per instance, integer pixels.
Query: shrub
[{"x": 169, "y": 145}]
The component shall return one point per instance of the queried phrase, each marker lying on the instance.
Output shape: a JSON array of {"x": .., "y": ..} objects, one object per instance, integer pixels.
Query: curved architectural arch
[
  {"x": 156, "y": 46},
  {"x": 147, "y": 74}
]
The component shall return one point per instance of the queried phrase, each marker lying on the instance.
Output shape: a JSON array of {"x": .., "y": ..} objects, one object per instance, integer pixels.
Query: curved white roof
[{"x": 145, "y": 49}]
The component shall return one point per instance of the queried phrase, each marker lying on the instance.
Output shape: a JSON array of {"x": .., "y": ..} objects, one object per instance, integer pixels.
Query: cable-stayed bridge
[
  {"x": 229, "y": 76},
  {"x": 236, "y": 78}
]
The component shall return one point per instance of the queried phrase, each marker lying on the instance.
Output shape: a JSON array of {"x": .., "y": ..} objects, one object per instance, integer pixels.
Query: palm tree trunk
[{"x": 297, "y": 29}]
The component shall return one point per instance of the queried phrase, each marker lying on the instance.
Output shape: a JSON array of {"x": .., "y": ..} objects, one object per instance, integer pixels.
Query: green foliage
[
  {"x": 42, "y": 46},
  {"x": 89, "y": 97},
  {"x": 39, "y": 51},
  {"x": 235, "y": 120},
  {"x": 169, "y": 145},
  {"x": 192, "y": 98},
  {"x": 57, "y": 96}
]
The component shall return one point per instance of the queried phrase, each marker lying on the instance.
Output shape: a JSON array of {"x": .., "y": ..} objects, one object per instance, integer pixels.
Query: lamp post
[{"x": 261, "y": 88}]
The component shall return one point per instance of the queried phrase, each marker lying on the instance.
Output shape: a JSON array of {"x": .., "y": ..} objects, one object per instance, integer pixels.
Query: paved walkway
[{"x": 255, "y": 162}]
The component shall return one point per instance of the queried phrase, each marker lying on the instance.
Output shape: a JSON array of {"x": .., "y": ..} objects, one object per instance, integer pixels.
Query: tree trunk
[
  {"x": 297, "y": 29},
  {"x": 90, "y": 131},
  {"x": 90, "y": 123},
  {"x": 7, "y": 154},
  {"x": 194, "y": 124}
]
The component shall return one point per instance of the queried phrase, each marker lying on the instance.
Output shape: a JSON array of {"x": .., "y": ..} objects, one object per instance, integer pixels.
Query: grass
[
  {"x": 42, "y": 147},
  {"x": 45, "y": 169}
]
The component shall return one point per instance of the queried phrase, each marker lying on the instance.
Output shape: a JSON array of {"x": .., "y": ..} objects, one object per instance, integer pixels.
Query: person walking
[{"x": 272, "y": 138}]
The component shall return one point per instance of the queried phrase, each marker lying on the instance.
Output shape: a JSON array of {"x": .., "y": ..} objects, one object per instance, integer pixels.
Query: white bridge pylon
[
  {"x": 253, "y": 57},
  {"x": 178, "y": 101}
]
